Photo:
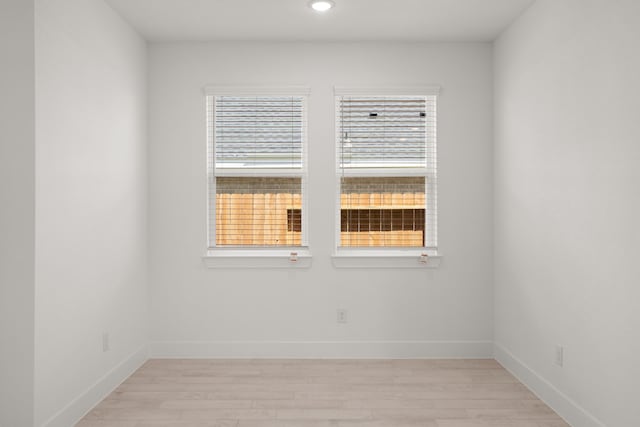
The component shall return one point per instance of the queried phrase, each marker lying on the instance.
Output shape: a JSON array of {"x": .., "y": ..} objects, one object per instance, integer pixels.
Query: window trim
[
  {"x": 283, "y": 257},
  {"x": 384, "y": 257},
  {"x": 256, "y": 257}
]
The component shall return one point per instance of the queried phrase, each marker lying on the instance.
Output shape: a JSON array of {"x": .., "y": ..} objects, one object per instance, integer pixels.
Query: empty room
[{"x": 296, "y": 213}]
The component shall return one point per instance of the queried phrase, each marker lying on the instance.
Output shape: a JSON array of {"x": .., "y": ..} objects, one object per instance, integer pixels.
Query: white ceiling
[{"x": 294, "y": 20}]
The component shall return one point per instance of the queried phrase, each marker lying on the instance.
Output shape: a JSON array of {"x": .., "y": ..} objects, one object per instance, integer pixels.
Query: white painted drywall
[
  {"x": 91, "y": 198},
  {"x": 196, "y": 311},
  {"x": 567, "y": 202},
  {"x": 17, "y": 201}
]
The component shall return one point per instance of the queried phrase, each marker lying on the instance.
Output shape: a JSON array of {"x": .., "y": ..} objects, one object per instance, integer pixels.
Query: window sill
[
  {"x": 257, "y": 258},
  {"x": 363, "y": 258}
]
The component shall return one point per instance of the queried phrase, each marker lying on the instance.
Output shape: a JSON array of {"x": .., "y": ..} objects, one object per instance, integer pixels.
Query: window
[
  {"x": 387, "y": 170},
  {"x": 256, "y": 168}
]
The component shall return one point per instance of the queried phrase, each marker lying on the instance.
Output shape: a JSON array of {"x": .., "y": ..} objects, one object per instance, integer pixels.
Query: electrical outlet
[
  {"x": 342, "y": 315},
  {"x": 105, "y": 342},
  {"x": 559, "y": 355}
]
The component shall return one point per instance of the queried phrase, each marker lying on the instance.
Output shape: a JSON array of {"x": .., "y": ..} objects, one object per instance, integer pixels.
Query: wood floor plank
[{"x": 321, "y": 393}]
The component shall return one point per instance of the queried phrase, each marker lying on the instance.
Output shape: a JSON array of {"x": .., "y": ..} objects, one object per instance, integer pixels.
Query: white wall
[
  {"x": 17, "y": 200},
  {"x": 567, "y": 203},
  {"x": 196, "y": 311},
  {"x": 91, "y": 204}
]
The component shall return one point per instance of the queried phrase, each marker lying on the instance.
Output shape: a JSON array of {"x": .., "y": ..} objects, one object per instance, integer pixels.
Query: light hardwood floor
[{"x": 321, "y": 393}]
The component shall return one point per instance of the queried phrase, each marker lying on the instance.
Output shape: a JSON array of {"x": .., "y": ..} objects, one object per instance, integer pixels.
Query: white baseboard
[
  {"x": 78, "y": 408},
  {"x": 321, "y": 349},
  {"x": 562, "y": 404}
]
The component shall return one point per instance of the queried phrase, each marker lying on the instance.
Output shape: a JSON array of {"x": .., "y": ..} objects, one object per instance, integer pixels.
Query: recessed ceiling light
[{"x": 321, "y": 5}]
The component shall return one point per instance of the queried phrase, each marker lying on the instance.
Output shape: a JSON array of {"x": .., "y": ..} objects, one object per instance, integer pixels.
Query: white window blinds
[
  {"x": 387, "y": 132},
  {"x": 257, "y": 170},
  {"x": 259, "y": 132}
]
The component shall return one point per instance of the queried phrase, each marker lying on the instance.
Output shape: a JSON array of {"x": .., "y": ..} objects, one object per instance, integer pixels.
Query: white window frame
[
  {"x": 256, "y": 257},
  {"x": 386, "y": 257}
]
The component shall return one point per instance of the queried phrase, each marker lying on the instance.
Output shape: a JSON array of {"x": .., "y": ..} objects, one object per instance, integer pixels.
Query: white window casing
[
  {"x": 388, "y": 136},
  {"x": 257, "y": 173}
]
